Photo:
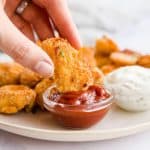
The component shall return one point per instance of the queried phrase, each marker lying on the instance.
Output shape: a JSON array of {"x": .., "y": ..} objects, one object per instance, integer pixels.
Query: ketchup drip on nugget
[{"x": 92, "y": 95}]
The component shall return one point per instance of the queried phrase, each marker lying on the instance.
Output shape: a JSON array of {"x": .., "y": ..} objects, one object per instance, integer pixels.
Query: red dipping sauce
[{"x": 80, "y": 109}]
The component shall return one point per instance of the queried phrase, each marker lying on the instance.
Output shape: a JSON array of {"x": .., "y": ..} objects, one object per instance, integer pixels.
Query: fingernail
[{"x": 44, "y": 68}]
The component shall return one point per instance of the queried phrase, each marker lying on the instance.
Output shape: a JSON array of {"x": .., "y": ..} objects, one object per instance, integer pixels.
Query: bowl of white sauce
[{"x": 130, "y": 87}]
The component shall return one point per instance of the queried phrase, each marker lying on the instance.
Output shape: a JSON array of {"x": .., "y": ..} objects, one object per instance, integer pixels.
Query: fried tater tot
[
  {"x": 10, "y": 73},
  {"x": 72, "y": 73},
  {"x": 105, "y": 46},
  {"x": 29, "y": 78},
  {"x": 144, "y": 61},
  {"x": 14, "y": 98},
  {"x": 40, "y": 88},
  {"x": 123, "y": 59}
]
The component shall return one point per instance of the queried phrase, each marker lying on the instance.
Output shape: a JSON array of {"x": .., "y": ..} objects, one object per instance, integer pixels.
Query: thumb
[{"x": 21, "y": 49}]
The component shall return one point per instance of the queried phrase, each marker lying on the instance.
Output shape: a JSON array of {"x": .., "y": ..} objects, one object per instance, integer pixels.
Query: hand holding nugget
[{"x": 37, "y": 13}]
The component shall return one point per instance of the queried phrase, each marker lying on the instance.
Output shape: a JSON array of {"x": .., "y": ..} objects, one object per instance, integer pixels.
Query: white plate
[{"x": 117, "y": 123}]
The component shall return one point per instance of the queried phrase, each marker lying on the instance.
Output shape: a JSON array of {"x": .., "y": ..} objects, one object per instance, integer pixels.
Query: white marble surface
[
  {"x": 14, "y": 142},
  {"x": 127, "y": 21},
  {"x": 114, "y": 17}
]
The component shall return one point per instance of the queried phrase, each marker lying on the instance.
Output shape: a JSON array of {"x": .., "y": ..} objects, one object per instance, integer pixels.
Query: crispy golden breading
[
  {"x": 72, "y": 73},
  {"x": 29, "y": 78},
  {"x": 98, "y": 75},
  {"x": 144, "y": 61},
  {"x": 13, "y": 73},
  {"x": 105, "y": 46},
  {"x": 123, "y": 59},
  {"x": 109, "y": 57},
  {"x": 102, "y": 60},
  {"x": 40, "y": 88},
  {"x": 47, "y": 82},
  {"x": 108, "y": 68},
  {"x": 87, "y": 54},
  {"x": 10, "y": 73},
  {"x": 74, "y": 70},
  {"x": 14, "y": 98}
]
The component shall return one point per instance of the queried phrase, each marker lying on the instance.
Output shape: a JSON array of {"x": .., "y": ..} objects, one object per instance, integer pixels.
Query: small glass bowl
[{"x": 77, "y": 116}]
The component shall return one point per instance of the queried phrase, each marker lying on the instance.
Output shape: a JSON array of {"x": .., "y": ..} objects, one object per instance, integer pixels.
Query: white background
[{"x": 128, "y": 22}]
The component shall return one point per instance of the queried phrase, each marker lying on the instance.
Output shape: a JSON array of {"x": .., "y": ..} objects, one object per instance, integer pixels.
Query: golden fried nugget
[
  {"x": 97, "y": 75},
  {"x": 10, "y": 73},
  {"x": 108, "y": 68},
  {"x": 87, "y": 54},
  {"x": 105, "y": 46},
  {"x": 131, "y": 52},
  {"x": 123, "y": 59},
  {"x": 102, "y": 60},
  {"x": 72, "y": 73},
  {"x": 47, "y": 82},
  {"x": 40, "y": 88},
  {"x": 29, "y": 78},
  {"x": 144, "y": 61},
  {"x": 14, "y": 98}
]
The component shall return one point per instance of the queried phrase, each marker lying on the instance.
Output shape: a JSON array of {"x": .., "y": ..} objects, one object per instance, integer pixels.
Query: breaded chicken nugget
[
  {"x": 98, "y": 75},
  {"x": 10, "y": 73},
  {"x": 123, "y": 59},
  {"x": 72, "y": 73},
  {"x": 108, "y": 68},
  {"x": 29, "y": 78},
  {"x": 102, "y": 60},
  {"x": 132, "y": 52},
  {"x": 47, "y": 82},
  {"x": 14, "y": 98},
  {"x": 105, "y": 46},
  {"x": 87, "y": 54},
  {"x": 144, "y": 61},
  {"x": 40, "y": 88}
]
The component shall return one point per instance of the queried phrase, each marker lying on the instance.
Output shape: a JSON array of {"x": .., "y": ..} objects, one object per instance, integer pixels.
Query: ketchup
[{"x": 80, "y": 109}]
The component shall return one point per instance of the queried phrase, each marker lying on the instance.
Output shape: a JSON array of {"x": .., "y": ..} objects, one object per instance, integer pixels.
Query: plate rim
[{"x": 50, "y": 134}]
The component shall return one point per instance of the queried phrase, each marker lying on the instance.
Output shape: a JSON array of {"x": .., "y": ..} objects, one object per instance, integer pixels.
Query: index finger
[{"x": 59, "y": 13}]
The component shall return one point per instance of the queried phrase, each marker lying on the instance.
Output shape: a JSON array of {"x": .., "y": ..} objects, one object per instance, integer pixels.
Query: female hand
[{"x": 35, "y": 16}]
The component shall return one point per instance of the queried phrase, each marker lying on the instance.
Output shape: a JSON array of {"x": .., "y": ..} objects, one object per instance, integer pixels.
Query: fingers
[
  {"x": 60, "y": 14},
  {"x": 3, "y": 2},
  {"x": 39, "y": 19},
  {"x": 22, "y": 49},
  {"x": 33, "y": 15},
  {"x": 11, "y": 6},
  {"x": 23, "y": 26}
]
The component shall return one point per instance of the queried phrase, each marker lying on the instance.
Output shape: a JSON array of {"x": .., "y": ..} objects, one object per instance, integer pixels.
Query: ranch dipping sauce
[{"x": 130, "y": 87}]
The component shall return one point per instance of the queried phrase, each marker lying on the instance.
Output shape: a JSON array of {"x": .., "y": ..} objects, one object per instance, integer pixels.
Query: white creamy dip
[{"x": 130, "y": 87}]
